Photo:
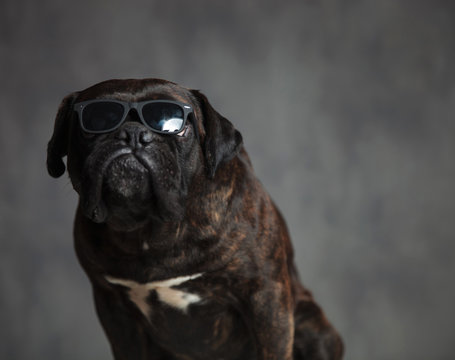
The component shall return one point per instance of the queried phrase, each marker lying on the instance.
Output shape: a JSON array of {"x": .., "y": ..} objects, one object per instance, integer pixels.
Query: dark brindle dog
[{"x": 187, "y": 254}]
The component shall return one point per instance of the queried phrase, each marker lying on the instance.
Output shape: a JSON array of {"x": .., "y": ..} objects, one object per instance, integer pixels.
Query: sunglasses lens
[
  {"x": 102, "y": 116},
  {"x": 165, "y": 117}
]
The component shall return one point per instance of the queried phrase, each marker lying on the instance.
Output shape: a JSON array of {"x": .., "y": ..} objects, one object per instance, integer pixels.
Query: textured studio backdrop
[{"x": 347, "y": 110}]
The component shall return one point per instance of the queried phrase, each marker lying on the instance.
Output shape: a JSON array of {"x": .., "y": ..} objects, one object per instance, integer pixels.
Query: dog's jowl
[{"x": 188, "y": 256}]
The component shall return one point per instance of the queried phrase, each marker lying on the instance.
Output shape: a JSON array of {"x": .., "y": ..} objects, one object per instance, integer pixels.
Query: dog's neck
[{"x": 153, "y": 236}]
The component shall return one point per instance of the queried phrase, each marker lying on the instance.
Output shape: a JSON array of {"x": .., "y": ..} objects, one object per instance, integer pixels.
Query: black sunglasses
[{"x": 104, "y": 115}]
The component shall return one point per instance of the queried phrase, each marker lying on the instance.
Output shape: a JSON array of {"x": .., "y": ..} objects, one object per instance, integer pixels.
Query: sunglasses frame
[{"x": 127, "y": 106}]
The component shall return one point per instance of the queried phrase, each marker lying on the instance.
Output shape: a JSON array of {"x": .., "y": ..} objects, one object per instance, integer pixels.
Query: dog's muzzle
[{"x": 116, "y": 174}]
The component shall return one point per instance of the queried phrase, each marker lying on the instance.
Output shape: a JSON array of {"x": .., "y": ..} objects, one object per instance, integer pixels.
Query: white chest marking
[{"x": 175, "y": 298}]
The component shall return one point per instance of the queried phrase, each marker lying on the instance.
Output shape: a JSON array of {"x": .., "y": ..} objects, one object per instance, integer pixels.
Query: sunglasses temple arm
[{"x": 195, "y": 127}]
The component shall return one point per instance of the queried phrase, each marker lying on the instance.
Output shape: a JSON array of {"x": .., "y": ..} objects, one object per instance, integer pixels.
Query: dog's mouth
[
  {"x": 119, "y": 181},
  {"x": 125, "y": 179},
  {"x": 127, "y": 188}
]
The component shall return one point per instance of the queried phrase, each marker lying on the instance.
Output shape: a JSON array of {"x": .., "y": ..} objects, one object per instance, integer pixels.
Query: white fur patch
[{"x": 175, "y": 298}]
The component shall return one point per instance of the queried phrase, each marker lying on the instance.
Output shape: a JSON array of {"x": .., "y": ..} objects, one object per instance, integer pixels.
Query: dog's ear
[
  {"x": 57, "y": 147},
  {"x": 222, "y": 141}
]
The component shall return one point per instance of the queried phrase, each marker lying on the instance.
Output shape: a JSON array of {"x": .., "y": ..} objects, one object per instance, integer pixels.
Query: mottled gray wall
[{"x": 346, "y": 108}]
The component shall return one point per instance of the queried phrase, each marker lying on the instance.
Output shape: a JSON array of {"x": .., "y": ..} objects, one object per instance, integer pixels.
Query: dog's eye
[
  {"x": 183, "y": 132},
  {"x": 87, "y": 135}
]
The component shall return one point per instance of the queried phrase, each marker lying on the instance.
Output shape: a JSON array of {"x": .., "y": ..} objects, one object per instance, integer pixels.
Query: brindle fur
[{"x": 218, "y": 220}]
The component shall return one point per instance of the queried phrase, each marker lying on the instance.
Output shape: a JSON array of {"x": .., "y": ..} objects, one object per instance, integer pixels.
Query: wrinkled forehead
[{"x": 134, "y": 90}]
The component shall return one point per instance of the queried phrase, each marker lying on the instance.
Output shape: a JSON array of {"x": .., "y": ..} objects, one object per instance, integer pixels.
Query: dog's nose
[{"x": 134, "y": 135}]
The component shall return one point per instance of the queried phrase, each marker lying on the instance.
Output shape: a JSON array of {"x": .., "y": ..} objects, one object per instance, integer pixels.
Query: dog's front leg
[
  {"x": 272, "y": 322},
  {"x": 127, "y": 334}
]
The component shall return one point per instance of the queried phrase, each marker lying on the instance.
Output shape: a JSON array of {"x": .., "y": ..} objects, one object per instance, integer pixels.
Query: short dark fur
[{"x": 197, "y": 205}]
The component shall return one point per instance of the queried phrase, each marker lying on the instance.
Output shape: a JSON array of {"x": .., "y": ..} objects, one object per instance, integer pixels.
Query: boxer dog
[{"x": 187, "y": 255}]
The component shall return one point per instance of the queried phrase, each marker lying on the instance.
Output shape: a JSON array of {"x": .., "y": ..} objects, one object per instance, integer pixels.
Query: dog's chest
[
  {"x": 186, "y": 315},
  {"x": 168, "y": 292}
]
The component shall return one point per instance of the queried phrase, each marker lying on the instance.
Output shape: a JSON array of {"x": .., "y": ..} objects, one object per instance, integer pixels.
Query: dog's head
[{"x": 130, "y": 175}]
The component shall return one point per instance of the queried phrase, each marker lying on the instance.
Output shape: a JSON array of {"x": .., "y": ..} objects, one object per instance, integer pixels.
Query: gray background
[{"x": 346, "y": 108}]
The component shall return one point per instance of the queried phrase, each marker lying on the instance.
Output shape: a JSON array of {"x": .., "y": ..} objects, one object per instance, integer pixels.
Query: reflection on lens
[
  {"x": 171, "y": 125},
  {"x": 102, "y": 116},
  {"x": 165, "y": 117}
]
